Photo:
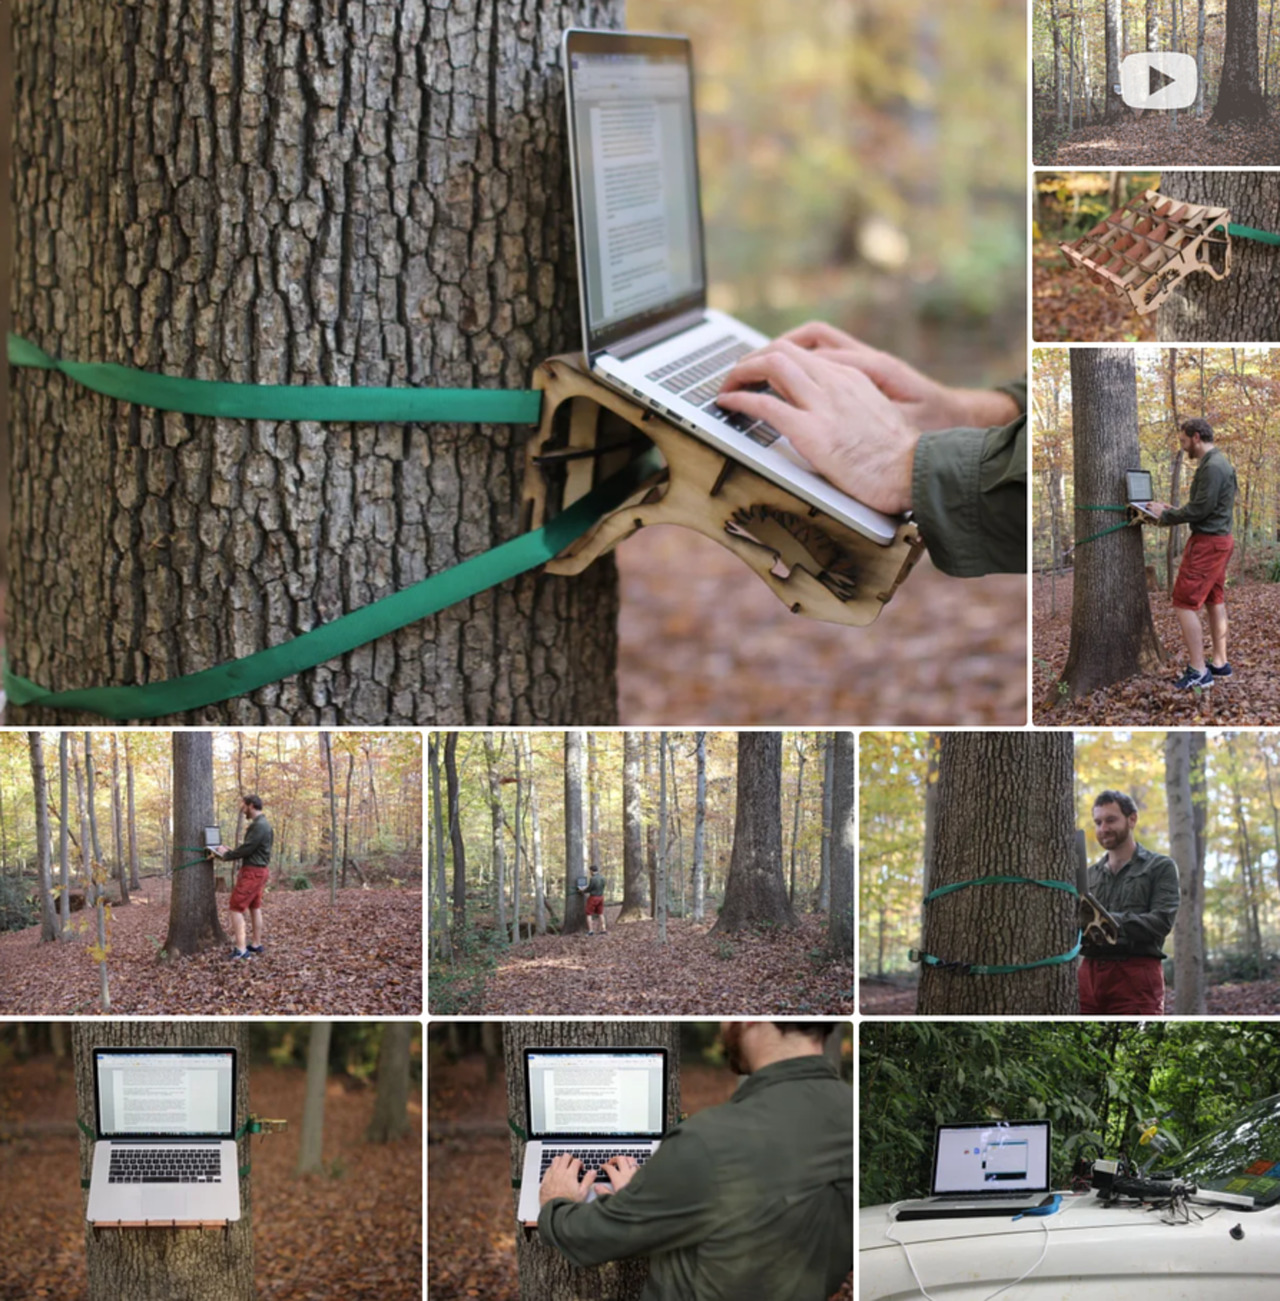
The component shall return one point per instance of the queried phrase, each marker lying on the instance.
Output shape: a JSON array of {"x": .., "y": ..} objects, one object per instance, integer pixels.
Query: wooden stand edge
[
  {"x": 159, "y": 1224},
  {"x": 816, "y": 566}
]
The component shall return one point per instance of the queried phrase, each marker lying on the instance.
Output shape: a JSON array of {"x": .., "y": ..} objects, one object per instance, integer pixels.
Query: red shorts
[
  {"x": 1121, "y": 987},
  {"x": 248, "y": 891},
  {"x": 595, "y": 905},
  {"x": 1203, "y": 571}
]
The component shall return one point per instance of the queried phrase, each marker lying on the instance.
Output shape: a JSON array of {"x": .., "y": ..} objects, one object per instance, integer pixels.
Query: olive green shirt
[
  {"x": 1143, "y": 898},
  {"x": 1212, "y": 500},
  {"x": 742, "y": 1202},
  {"x": 255, "y": 849},
  {"x": 969, "y": 495},
  {"x": 595, "y": 886}
]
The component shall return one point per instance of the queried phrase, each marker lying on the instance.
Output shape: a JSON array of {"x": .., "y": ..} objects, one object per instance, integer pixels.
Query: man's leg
[
  {"x": 237, "y": 927},
  {"x": 1192, "y": 636},
  {"x": 1087, "y": 976},
  {"x": 1218, "y": 632},
  {"x": 1140, "y": 988},
  {"x": 255, "y": 916}
]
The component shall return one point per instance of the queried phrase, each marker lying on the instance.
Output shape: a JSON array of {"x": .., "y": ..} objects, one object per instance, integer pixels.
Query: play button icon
[{"x": 1161, "y": 79}]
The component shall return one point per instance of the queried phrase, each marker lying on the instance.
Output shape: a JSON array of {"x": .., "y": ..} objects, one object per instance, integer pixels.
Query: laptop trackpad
[{"x": 164, "y": 1203}]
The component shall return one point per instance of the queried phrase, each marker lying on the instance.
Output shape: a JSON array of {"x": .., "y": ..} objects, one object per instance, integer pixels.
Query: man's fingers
[
  {"x": 786, "y": 368},
  {"x": 760, "y": 406},
  {"x": 818, "y": 334}
]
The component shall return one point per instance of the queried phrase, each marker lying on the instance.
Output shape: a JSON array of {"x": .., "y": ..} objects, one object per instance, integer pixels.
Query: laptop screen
[
  {"x": 635, "y": 181},
  {"x": 613, "y": 1092},
  {"x": 164, "y": 1092},
  {"x": 1138, "y": 485},
  {"x": 992, "y": 1158}
]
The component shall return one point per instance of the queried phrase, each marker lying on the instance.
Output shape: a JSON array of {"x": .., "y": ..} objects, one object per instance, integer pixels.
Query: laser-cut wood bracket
[
  {"x": 1145, "y": 249},
  {"x": 816, "y": 566}
]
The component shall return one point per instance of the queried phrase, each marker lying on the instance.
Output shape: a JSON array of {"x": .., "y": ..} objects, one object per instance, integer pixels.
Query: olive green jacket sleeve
[
  {"x": 1212, "y": 500},
  {"x": 255, "y": 849},
  {"x": 969, "y": 496}
]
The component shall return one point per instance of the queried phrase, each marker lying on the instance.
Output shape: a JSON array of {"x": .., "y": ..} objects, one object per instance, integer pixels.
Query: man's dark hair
[
  {"x": 1127, "y": 806},
  {"x": 253, "y": 801},
  {"x": 818, "y": 1030},
  {"x": 1197, "y": 426}
]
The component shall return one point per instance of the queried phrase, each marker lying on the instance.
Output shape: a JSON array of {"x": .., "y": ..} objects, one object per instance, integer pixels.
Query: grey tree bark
[
  {"x": 660, "y": 875},
  {"x": 593, "y": 800},
  {"x": 700, "y": 831},
  {"x": 311, "y": 1140},
  {"x": 545, "y": 1275},
  {"x": 535, "y": 839},
  {"x": 1005, "y": 807},
  {"x": 326, "y": 746},
  {"x": 457, "y": 843},
  {"x": 1112, "y": 633},
  {"x": 844, "y": 843},
  {"x": 64, "y": 835},
  {"x": 390, "y": 1119},
  {"x": 117, "y": 833},
  {"x": 828, "y": 775},
  {"x": 166, "y": 1264},
  {"x": 360, "y": 193},
  {"x": 1245, "y": 307},
  {"x": 193, "y": 905},
  {"x": 499, "y": 834},
  {"x": 755, "y": 890},
  {"x": 575, "y": 908},
  {"x": 1115, "y": 107},
  {"x": 49, "y": 928},
  {"x": 635, "y": 882},
  {"x": 1239, "y": 94},
  {"x": 1188, "y": 930}
]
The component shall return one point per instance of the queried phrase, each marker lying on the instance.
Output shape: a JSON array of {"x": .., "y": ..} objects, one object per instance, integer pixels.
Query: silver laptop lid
[
  {"x": 1138, "y": 486},
  {"x": 164, "y": 1093},
  {"x": 600, "y": 1093},
  {"x": 633, "y": 157},
  {"x": 997, "y": 1157}
]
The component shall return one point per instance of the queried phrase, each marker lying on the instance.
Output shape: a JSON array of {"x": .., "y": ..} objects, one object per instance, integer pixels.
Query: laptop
[
  {"x": 592, "y": 1103},
  {"x": 647, "y": 329},
  {"x": 1138, "y": 491},
  {"x": 986, "y": 1168},
  {"x": 164, "y": 1121},
  {"x": 212, "y": 837}
]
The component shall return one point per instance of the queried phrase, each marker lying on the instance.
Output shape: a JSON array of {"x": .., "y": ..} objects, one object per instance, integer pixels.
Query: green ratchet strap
[
  {"x": 1250, "y": 232},
  {"x": 327, "y": 403},
  {"x": 1115, "y": 528},
  {"x": 1003, "y": 969}
]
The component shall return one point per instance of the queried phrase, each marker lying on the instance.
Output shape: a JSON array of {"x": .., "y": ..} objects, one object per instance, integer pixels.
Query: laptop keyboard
[
  {"x": 592, "y": 1158},
  {"x": 168, "y": 1166},
  {"x": 697, "y": 378}
]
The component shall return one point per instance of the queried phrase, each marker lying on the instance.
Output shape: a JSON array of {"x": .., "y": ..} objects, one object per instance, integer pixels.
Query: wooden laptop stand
[
  {"x": 816, "y": 566},
  {"x": 161, "y": 1224}
]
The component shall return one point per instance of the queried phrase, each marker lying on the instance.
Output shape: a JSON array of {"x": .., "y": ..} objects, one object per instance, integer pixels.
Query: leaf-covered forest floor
[
  {"x": 471, "y": 1230},
  {"x": 362, "y": 958},
  {"x": 1150, "y": 140},
  {"x": 625, "y": 972},
  {"x": 1249, "y": 698},
  {"x": 355, "y": 1231},
  {"x": 701, "y": 637},
  {"x": 1069, "y": 306}
]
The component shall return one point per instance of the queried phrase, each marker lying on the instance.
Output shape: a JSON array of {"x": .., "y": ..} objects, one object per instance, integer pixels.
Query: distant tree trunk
[
  {"x": 1199, "y": 105},
  {"x": 346, "y": 818},
  {"x": 90, "y": 774},
  {"x": 64, "y": 835},
  {"x": 1245, "y": 307},
  {"x": 456, "y": 841},
  {"x": 193, "y": 906},
  {"x": 1250, "y": 884},
  {"x": 94, "y": 878},
  {"x": 755, "y": 891},
  {"x": 391, "y": 1106},
  {"x": 326, "y": 744},
  {"x": 443, "y": 945},
  {"x": 1188, "y": 933},
  {"x": 1112, "y": 633},
  {"x": 1239, "y": 95},
  {"x": 635, "y": 892},
  {"x": 593, "y": 798},
  {"x": 49, "y": 928},
  {"x": 535, "y": 839},
  {"x": 134, "y": 882},
  {"x": 499, "y": 833},
  {"x": 828, "y": 774},
  {"x": 700, "y": 832},
  {"x": 575, "y": 909},
  {"x": 1173, "y": 545},
  {"x": 1057, "y": 68},
  {"x": 842, "y": 756},
  {"x": 545, "y": 1275},
  {"x": 166, "y": 1264},
  {"x": 660, "y": 897},
  {"x": 1029, "y": 777},
  {"x": 311, "y": 1141},
  {"x": 930, "y": 806},
  {"x": 117, "y": 834},
  {"x": 795, "y": 819},
  {"x": 650, "y": 829},
  {"x": 1115, "y": 106}
]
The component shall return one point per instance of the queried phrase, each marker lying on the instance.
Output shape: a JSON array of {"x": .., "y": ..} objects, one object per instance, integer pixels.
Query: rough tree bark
[
  {"x": 457, "y": 842},
  {"x": 700, "y": 831},
  {"x": 842, "y": 756},
  {"x": 1239, "y": 94},
  {"x": 1188, "y": 931},
  {"x": 635, "y": 879},
  {"x": 311, "y": 1140},
  {"x": 166, "y": 1264},
  {"x": 117, "y": 832},
  {"x": 193, "y": 906},
  {"x": 1245, "y": 307},
  {"x": 390, "y": 1118},
  {"x": 326, "y": 745},
  {"x": 49, "y": 927},
  {"x": 545, "y": 1275},
  {"x": 442, "y": 945},
  {"x": 755, "y": 890},
  {"x": 828, "y": 775},
  {"x": 355, "y": 193},
  {"x": 499, "y": 833},
  {"x": 134, "y": 883},
  {"x": 1004, "y": 809},
  {"x": 1115, "y": 106},
  {"x": 64, "y": 835},
  {"x": 575, "y": 908},
  {"x": 1112, "y": 633},
  {"x": 660, "y": 875}
]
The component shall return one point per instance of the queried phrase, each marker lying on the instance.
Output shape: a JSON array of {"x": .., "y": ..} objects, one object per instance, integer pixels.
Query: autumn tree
[
  {"x": 545, "y": 1275},
  {"x": 390, "y": 1118},
  {"x": 1188, "y": 931},
  {"x": 1005, "y": 808},
  {"x": 1115, "y": 106},
  {"x": 311, "y": 1140},
  {"x": 49, "y": 927},
  {"x": 635, "y": 879},
  {"x": 166, "y": 1264},
  {"x": 575, "y": 908},
  {"x": 364, "y": 194},
  {"x": 193, "y": 906},
  {"x": 1240, "y": 98},
  {"x": 1112, "y": 633},
  {"x": 842, "y": 757},
  {"x": 457, "y": 841},
  {"x": 498, "y": 815}
]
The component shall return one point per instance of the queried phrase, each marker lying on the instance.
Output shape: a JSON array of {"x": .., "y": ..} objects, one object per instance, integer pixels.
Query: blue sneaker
[
  {"x": 254, "y": 948},
  {"x": 1223, "y": 672},
  {"x": 1192, "y": 678},
  {"x": 239, "y": 953}
]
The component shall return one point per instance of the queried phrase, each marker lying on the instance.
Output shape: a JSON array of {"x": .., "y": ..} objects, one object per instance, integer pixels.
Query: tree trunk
[
  {"x": 373, "y": 196},
  {"x": 795, "y": 815},
  {"x": 64, "y": 836},
  {"x": 311, "y": 1140},
  {"x": 842, "y": 756},
  {"x": 193, "y": 906},
  {"x": 117, "y": 833},
  {"x": 94, "y": 878},
  {"x": 1245, "y": 307},
  {"x": 49, "y": 928},
  {"x": 456, "y": 841},
  {"x": 326, "y": 744},
  {"x": 1112, "y": 633},
  {"x": 391, "y": 1107},
  {"x": 1199, "y": 105},
  {"x": 1188, "y": 933},
  {"x": 166, "y": 1264},
  {"x": 1005, "y": 807},
  {"x": 545, "y": 1275},
  {"x": 1173, "y": 544},
  {"x": 700, "y": 832},
  {"x": 535, "y": 837},
  {"x": 593, "y": 799},
  {"x": 90, "y": 774},
  {"x": 499, "y": 834},
  {"x": 1115, "y": 106},
  {"x": 1057, "y": 69},
  {"x": 828, "y": 776},
  {"x": 515, "y": 857},
  {"x": 346, "y": 818},
  {"x": 575, "y": 909},
  {"x": 660, "y": 880},
  {"x": 635, "y": 881},
  {"x": 1239, "y": 95},
  {"x": 443, "y": 946},
  {"x": 755, "y": 891}
]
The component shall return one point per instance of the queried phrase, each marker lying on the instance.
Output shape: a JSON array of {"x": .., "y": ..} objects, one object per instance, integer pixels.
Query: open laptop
[
  {"x": 647, "y": 330},
  {"x": 212, "y": 837},
  {"x": 986, "y": 1168},
  {"x": 1139, "y": 491},
  {"x": 592, "y": 1103},
  {"x": 164, "y": 1120}
]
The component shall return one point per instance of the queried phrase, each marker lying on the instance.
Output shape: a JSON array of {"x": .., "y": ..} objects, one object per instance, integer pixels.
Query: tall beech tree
[
  {"x": 1005, "y": 807},
  {"x": 390, "y": 1119},
  {"x": 1188, "y": 931},
  {"x": 1240, "y": 98},
  {"x": 575, "y": 908},
  {"x": 193, "y": 906},
  {"x": 635, "y": 877},
  {"x": 842, "y": 759}
]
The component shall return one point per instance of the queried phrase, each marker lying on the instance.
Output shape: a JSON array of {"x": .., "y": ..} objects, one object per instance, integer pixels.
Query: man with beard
[
  {"x": 750, "y": 1199},
  {"x": 1139, "y": 888}
]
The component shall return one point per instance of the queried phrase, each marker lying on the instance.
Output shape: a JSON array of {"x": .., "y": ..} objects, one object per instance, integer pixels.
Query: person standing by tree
[
  {"x": 1139, "y": 889},
  {"x": 1203, "y": 571},
  {"x": 594, "y": 890},
  {"x": 254, "y": 853}
]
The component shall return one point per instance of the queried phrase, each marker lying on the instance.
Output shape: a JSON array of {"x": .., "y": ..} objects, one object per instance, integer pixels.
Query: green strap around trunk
[
  {"x": 1251, "y": 232},
  {"x": 1115, "y": 528}
]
